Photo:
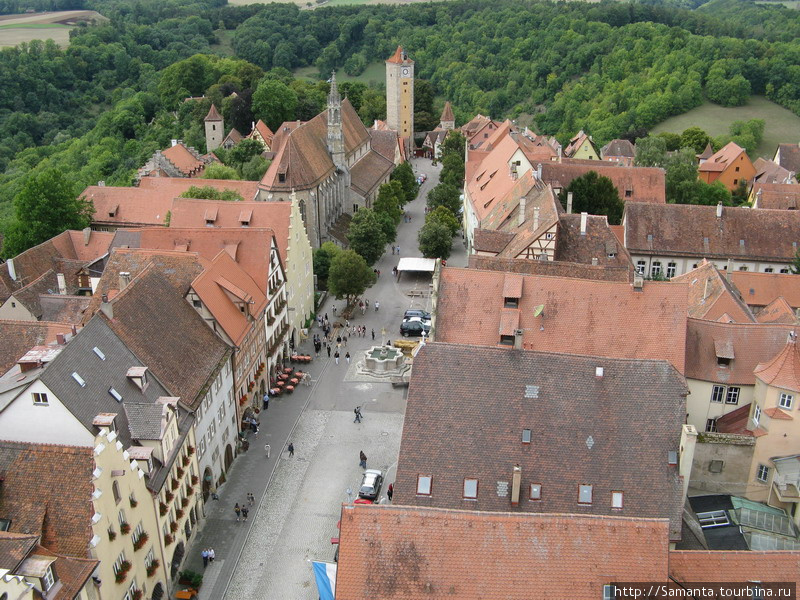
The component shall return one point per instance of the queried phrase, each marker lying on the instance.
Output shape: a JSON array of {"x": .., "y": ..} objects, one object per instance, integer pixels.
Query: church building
[{"x": 331, "y": 166}]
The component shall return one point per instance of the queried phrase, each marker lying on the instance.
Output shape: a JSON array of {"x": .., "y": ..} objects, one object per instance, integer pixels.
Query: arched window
[{"x": 302, "y": 205}]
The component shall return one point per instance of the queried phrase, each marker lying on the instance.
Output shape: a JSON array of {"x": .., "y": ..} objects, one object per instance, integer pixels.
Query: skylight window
[
  {"x": 99, "y": 353},
  {"x": 115, "y": 394},
  {"x": 79, "y": 379}
]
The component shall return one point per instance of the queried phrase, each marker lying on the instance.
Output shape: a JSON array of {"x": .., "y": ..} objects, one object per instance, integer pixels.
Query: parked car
[
  {"x": 414, "y": 326},
  {"x": 413, "y": 312},
  {"x": 370, "y": 485}
]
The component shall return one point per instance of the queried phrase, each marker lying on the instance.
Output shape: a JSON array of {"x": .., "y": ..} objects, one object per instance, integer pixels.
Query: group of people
[
  {"x": 252, "y": 422},
  {"x": 243, "y": 510},
  {"x": 208, "y": 555},
  {"x": 395, "y": 249}
]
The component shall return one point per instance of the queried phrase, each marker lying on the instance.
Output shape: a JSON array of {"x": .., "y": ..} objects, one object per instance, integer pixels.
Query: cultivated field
[
  {"x": 374, "y": 73},
  {"x": 782, "y": 125},
  {"x": 15, "y": 29}
]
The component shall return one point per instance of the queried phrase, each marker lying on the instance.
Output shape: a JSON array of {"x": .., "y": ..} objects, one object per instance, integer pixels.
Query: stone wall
[{"x": 736, "y": 454}]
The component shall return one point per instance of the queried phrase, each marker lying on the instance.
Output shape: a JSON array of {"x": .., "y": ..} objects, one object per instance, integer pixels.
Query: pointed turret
[
  {"x": 447, "y": 120},
  {"x": 335, "y": 133},
  {"x": 213, "y": 114},
  {"x": 783, "y": 371},
  {"x": 215, "y": 129}
]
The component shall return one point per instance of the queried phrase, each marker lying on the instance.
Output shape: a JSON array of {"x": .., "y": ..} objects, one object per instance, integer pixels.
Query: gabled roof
[
  {"x": 73, "y": 573},
  {"x": 577, "y": 141},
  {"x": 187, "y": 162},
  {"x": 384, "y": 142},
  {"x": 370, "y": 170},
  {"x": 213, "y": 114},
  {"x": 20, "y": 336},
  {"x": 789, "y": 157},
  {"x": 553, "y": 268},
  {"x": 618, "y": 148},
  {"x": 492, "y": 180},
  {"x": 418, "y": 553},
  {"x": 47, "y": 491},
  {"x": 491, "y": 240},
  {"x": 722, "y": 159},
  {"x": 262, "y": 131},
  {"x": 587, "y": 317},
  {"x": 778, "y": 311},
  {"x": 552, "y": 395},
  {"x": 599, "y": 242},
  {"x": 146, "y": 421},
  {"x": 64, "y": 309},
  {"x": 759, "y": 289},
  {"x": 695, "y": 230},
  {"x": 447, "y": 113},
  {"x": 776, "y": 196},
  {"x": 688, "y": 566},
  {"x": 234, "y": 137},
  {"x": 14, "y": 547},
  {"x": 399, "y": 57},
  {"x": 220, "y": 286},
  {"x": 634, "y": 184},
  {"x": 783, "y": 370},
  {"x": 707, "y": 153},
  {"x": 711, "y": 295},
  {"x": 770, "y": 172},
  {"x": 476, "y": 124},
  {"x": 29, "y": 295},
  {"x": 537, "y": 148},
  {"x": 162, "y": 329},
  {"x": 98, "y": 374},
  {"x": 752, "y": 343}
]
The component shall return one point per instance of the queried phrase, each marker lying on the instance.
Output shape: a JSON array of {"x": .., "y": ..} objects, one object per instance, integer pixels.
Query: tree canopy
[
  {"x": 596, "y": 195},
  {"x": 349, "y": 275},
  {"x": 207, "y": 192},
  {"x": 435, "y": 240},
  {"x": 366, "y": 235}
]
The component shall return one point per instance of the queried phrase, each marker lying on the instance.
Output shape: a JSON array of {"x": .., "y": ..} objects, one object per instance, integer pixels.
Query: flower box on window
[
  {"x": 139, "y": 544},
  {"x": 173, "y": 526},
  {"x": 134, "y": 503},
  {"x": 153, "y": 567},
  {"x": 136, "y": 595},
  {"x": 162, "y": 509},
  {"x": 195, "y": 479},
  {"x": 179, "y": 513},
  {"x": 169, "y": 495},
  {"x": 186, "y": 461},
  {"x": 124, "y": 528},
  {"x": 185, "y": 502},
  {"x": 168, "y": 539},
  {"x": 180, "y": 472},
  {"x": 190, "y": 450}
]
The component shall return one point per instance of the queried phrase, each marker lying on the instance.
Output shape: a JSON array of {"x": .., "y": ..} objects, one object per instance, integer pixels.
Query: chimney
[
  {"x": 62, "y": 284},
  {"x": 74, "y": 330},
  {"x": 518, "y": 339},
  {"x": 12, "y": 272},
  {"x": 61, "y": 339},
  {"x": 584, "y": 217},
  {"x": 516, "y": 484},
  {"x": 569, "y": 203},
  {"x": 535, "y": 218},
  {"x": 539, "y": 171},
  {"x": 719, "y": 210},
  {"x": 174, "y": 142},
  {"x": 124, "y": 280},
  {"x": 107, "y": 307},
  {"x": 521, "y": 211},
  {"x": 638, "y": 282},
  {"x": 87, "y": 235},
  {"x": 594, "y": 262}
]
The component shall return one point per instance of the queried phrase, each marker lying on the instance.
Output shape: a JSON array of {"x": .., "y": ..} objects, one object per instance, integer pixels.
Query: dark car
[
  {"x": 414, "y": 312},
  {"x": 371, "y": 485},
  {"x": 414, "y": 326}
]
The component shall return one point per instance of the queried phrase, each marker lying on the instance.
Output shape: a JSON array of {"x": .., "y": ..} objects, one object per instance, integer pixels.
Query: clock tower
[{"x": 400, "y": 96}]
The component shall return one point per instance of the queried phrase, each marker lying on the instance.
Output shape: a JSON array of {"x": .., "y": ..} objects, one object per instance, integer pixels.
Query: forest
[{"x": 99, "y": 108}]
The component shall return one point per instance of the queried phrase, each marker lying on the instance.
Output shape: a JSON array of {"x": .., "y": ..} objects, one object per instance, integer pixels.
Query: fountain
[{"x": 383, "y": 361}]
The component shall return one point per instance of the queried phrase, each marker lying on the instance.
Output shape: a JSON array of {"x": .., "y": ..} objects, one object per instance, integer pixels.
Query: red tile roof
[
  {"x": 447, "y": 113},
  {"x": 548, "y": 267},
  {"x": 776, "y": 196},
  {"x": 770, "y": 172},
  {"x": 759, "y": 289},
  {"x": 370, "y": 171},
  {"x": 184, "y": 159},
  {"x": 752, "y": 343},
  {"x": 399, "y": 57},
  {"x": 175, "y": 186},
  {"x": 491, "y": 180},
  {"x": 599, "y": 242},
  {"x": 634, "y": 184},
  {"x": 688, "y": 566},
  {"x": 586, "y": 317},
  {"x": 552, "y": 395},
  {"x": 783, "y": 370},
  {"x": 475, "y": 124},
  {"x": 262, "y": 133},
  {"x": 778, "y": 311},
  {"x": 47, "y": 491},
  {"x": 722, "y": 158},
  {"x": 73, "y": 574},
  {"x": 14, "y": 547},
  {"x": 711, "y": 295},
  {"x": 788, "y": 156},
  {"x": 20, "y": 336},
  {"x": 421, "y": 553},
  {"x": 695, "y": 230},
  {"x": 618, "y": 148},
  {"x": 213, "y": 114}
]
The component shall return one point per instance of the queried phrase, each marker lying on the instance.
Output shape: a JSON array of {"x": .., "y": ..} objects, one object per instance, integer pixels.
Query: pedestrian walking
[
  {"x": 211, "y": 554},
  {"x": 366, "y": 303},
  {"x": 326, "y": 317},
  {"x": 347, "y": 357},
  {"x": 344, "y": 339},
  {"x": 329, "y": 351},
  {"x": 204, "y": 554},
  {"x": 336, "y": 357},
  {"x": 363, "y": 460},
  {"x": 290, "y": 448},
  {"x": 373, "y": 335},
  {"x": 377, "y": 305},
  {"x": 392, "y": 248},
  {"x": 334, "y": 310},
  {"x": 347, "y": 322},
  {"x": 267, "y": 449},
  {"x": 338, "y": 340},
  {"x": 266, "y": 400},
  {"x": 251, "y": 498},
  {"x": 359, "y": 416},
  {"x": 238, "y": 511},
  {"x": 398, "y": 250},
  {"x": 244, "y": 512},
  {"x": 390, "y": 492}
]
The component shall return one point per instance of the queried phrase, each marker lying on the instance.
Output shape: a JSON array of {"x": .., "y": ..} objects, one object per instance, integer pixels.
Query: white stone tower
[
  {"x": 335, "y": 132},
  {"x": 215, "y": 129},
  {"x": 400, "y": 96}
]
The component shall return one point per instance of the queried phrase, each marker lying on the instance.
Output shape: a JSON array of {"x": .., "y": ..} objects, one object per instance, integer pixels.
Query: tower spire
[
  {"x": 335, "y": 131},
  {"x": 333, "y": 96}
]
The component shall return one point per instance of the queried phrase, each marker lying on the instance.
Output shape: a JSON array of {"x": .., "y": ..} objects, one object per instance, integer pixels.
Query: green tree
[
  {"x": 207, "y": 192},
  {"x": 243, "y": 152},
  {"x": 445, "y": 195},
  {"x": 454, "y": 142},
  {"x": 443, "y": 215},
  {"x": 424, "y": 117},
  {"x": 322, "y": 261},
  {"x": 405, "y": 175},
  {"x": 452, "y": 169},
  {"x": 219, "y": 171},
  {"x": 274, "y": 102},
  {"x": 388, "y": 202},
  {"x": 695, "y": 138},
  {"x": 672, "y": 140},
  {"x": 254, "y": 169},
  {"x": 681, "y": 182},
  {"x": 651, "y": 152},
  {"x": 366, "y": 235},
  {"x": 349, "y": 275},
  {"x": 46, "y": 206},
  {"x": 435, "y": 240},
  {"x": 595, "y": 195}
]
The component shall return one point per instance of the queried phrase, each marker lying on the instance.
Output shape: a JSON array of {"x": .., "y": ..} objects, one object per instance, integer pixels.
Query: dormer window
[
  {"x": 48, "y": 579},
  {"x": 281, "y": 177},
  {"x": 511, "y": 303},
  {"x": 138, "y": 375}
]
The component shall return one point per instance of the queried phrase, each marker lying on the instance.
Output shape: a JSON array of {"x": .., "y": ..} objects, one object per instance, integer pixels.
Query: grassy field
[
  {"x": 374, "y": 73},
  {"x": 781, "y": 124},
  {"x": 795, "y": 4},
  {"x": 225, "y": 46},
  {"x": 15, "y": 29}
]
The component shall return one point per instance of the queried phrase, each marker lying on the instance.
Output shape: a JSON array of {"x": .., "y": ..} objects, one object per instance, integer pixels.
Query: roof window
[
  {"x": 99, "y": 353},
  {"x": 584, "y": 494},
  {"x": 79, "y": 379}
]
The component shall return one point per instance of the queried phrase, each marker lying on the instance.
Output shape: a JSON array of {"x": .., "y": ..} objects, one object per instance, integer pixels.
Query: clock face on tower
[{"x": 405, "y": 71}]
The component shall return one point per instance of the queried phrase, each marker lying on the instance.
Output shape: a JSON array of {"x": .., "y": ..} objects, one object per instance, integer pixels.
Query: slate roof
[
  {"x": 303, "y": 158},
  {"x": 776, "y": 196},
  {"x": 14, "y": 547},
  {"x": 20, "y": 336},
  {"x": 634, "y": 184},
  {"x": 64, "y": 309},
  {"x": 47, "y": 492},
  {"x": 734, "y": 566},
  {"x": 711, "y": 295},
  {"x": 489, "y": 240},
  {"x": 752, "y": 343},
  {"x": 162, "y": 329},
  {"x": 587, "y": 317},
  {"x": 418, "y": 553},
  {"x": 759, "y": 289},
  {"x": 234, "y": 137},
  {"x": 694, "y": 230},
  {"x": 616, "y": 148},
  {"x": 551, "y": 268},
  {"x": 28, "y": 296},
  {"x": 550, "y": 394},
  {"x": 598, "y": 242},
  {"x": 144, "y": 420},
  {"x": 384, "y": 142},
  {"x": 85, "y": 403},
  {"x": 721, "y": 159},
  {"x": 369, "y": 172},
  {"x": 789, "y": 157},
  {"x": 782, "y": 370}
]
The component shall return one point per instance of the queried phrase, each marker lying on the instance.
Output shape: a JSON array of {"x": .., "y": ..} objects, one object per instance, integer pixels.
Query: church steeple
[{"x": 335, "y": 132}]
